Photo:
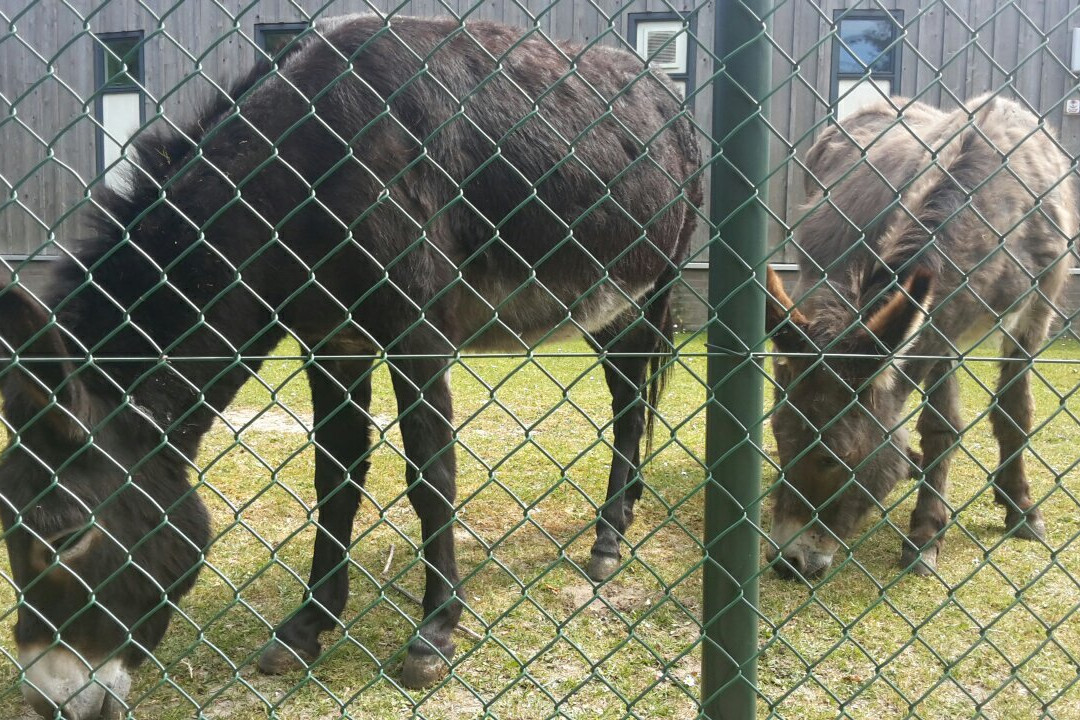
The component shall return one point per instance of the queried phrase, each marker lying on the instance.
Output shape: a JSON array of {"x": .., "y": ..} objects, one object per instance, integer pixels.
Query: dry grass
[{"x": 532, "y": 460}]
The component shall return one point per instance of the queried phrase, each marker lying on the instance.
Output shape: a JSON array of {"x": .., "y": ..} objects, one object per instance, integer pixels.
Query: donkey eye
[
  {"x": 64, "y": 542},
  {"x": 827, "y": 462},
  {"x": 70, "y": 545}
]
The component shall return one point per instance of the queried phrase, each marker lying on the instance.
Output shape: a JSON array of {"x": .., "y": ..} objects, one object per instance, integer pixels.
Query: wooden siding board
[
  {"x": 191, "y": 28},
  {"x": 1005, "y": 47},
  {"x": 806, "y": 100},
  {"x": 42, "y": 114},
  {"x": 782, "y": 33},
  {"x": 703, "y": 112},
  {"x": 985, "y": 72},
  {"x": 912, "y": 65},
  {"x": 1030, "y": 52},
  {"x": 932, "y": 48},
  {"x": 974, "y": 57},
  {"x": 1053, "y": 61},
  {"x": 1068, "y": 14},
  {"x": 956, "y": 43}
]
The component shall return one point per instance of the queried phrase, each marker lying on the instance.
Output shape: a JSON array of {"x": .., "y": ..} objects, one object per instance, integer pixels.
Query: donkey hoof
[
  {"x": 1025, "y": 527},
  {"x": 421, "y": 671},
  {"x": 922, "y": 563},
  {"x": 601, "y": 567},
  {"x": 279, "y": 658}
]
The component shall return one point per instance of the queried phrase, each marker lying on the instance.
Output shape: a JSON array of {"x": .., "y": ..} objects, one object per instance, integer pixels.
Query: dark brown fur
[
  {"x": 912, "y": 212},
  {"x": 455, "y": 188}
]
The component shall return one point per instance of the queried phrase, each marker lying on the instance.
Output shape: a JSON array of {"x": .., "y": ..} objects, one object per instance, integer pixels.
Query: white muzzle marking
[
  {"x": 808, "y": 550},
  {"x": 58, "y": 678}
]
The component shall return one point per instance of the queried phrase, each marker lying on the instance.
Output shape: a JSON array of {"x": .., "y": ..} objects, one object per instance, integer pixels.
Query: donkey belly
[
  {"x": 1014, "y": 322},
  {"x": 501, "y": 315}
]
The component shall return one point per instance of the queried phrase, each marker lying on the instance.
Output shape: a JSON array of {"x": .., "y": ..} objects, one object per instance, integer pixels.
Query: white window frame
[
  {"x": 119, "y": 106},
  {"x": 851, "y": 91},
  {"x": 681, "y": 70}
]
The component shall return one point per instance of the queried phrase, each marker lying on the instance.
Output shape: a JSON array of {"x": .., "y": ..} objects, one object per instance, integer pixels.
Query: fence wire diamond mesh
[{"x": 289, "y": 272}]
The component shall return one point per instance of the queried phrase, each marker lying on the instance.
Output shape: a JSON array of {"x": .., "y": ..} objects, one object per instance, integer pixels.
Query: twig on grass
[
  {"x": 386, "y": 571},
  {"x": 389, "y": 559}
]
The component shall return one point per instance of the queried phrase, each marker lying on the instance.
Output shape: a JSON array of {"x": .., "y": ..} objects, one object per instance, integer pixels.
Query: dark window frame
[
  {"x": 690, "y": 18},
  {"x": 263, "y": 31},
  {"x": 839, "y": 16},
  {"x": 102, "y": 88}
]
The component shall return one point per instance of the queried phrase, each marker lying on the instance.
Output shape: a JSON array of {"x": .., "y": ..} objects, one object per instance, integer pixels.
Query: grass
[{"x": 991, "y": 635}]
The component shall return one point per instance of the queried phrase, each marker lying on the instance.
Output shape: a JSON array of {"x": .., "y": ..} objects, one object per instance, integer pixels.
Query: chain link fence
[{"x": 826, "y": 524}]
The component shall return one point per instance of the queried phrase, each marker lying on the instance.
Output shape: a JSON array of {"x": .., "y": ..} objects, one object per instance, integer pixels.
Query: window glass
[
  {"x": 119, "y": 106},
  {"x": 867, "y": 43},
  {"x": 123, "y": 65},
  {"x": 274, "y": 38},
  {"x": 275, "y": 41}
]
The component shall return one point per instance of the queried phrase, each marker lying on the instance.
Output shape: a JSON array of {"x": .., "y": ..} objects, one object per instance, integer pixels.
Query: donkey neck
[{"x": 165, "y": 343}]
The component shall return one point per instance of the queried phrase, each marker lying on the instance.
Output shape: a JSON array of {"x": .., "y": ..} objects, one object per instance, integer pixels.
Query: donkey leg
[
  {"x": 631, "y": 359},
  {"x": 635, "y": 486},
  {"x": 425, "y": 412},
  {"x": 624, "y": 378},
  {"x": 1011, "y": 417},
  {"x": 341, "y": 395},
  {"x": 939, "y": 425}
]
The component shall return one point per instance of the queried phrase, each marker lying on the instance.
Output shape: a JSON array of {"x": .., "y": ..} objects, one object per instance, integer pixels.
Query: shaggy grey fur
[{"x": 927, "y": 230}]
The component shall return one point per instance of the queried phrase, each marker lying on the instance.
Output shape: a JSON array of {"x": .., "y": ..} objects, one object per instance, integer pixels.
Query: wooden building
[{"x": 67, "y": 103}]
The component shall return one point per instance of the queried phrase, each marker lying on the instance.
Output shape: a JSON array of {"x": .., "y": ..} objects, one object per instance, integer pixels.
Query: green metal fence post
[{"x": 733, "y": 435}]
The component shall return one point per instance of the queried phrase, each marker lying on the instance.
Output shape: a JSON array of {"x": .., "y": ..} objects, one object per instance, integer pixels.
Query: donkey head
[
  {"x": 102, "y": 533},
  {"x": 835, "y": 422}
]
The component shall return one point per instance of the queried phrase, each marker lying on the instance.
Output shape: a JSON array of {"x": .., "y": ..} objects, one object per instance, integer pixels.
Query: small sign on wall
[{"x": 1072, "y": 106}]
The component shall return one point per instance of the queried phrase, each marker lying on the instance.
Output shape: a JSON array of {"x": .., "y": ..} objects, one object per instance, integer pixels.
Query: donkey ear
[
  {"x": 894, "y": 323},
  {"x": 789, "y": 336},
  {"x": 47, "y": 380}
]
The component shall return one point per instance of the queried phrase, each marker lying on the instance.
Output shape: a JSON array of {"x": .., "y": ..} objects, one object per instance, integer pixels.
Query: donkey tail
[
  {"x": 659, "y": 365},
  {"x": 664, "y": 348}
]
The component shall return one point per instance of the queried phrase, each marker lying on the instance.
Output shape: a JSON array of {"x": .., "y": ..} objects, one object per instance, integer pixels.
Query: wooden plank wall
[
  {"x": 47, "y": 130},
  {"x": 951, "y": 50}
]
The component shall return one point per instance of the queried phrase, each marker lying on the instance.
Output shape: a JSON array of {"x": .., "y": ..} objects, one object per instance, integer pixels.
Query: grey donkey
[{"x": 927, "y": 231}]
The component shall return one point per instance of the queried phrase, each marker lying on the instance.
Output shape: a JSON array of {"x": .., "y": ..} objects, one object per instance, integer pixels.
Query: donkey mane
[{"x": 160, "y": 151}]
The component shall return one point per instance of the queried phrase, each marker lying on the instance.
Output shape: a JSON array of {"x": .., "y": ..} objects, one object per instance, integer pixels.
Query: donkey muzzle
[
  {"x": 57, "y": 678},
  {"x": 798, "y": 552}
]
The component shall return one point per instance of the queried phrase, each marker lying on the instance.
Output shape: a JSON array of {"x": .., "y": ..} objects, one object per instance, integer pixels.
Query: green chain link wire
[{"x": 990, "y": 635}]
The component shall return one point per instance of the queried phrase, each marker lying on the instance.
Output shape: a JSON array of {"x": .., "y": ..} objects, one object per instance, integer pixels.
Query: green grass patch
[{"x": 992, "y": 634}]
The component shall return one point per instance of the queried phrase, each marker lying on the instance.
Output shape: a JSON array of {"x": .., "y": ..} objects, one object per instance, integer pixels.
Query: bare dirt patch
[
  {"x": 612, "y": 596},
  {"x": 276, "y": 420}
]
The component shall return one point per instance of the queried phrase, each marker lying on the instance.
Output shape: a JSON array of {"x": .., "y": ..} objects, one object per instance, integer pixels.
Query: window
[
  {"x": 274, "y": 38},
  {"x": 119, "y": 106},
  {"x": 866, "y": 58},
  {"x": 666, "y": 41}
]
